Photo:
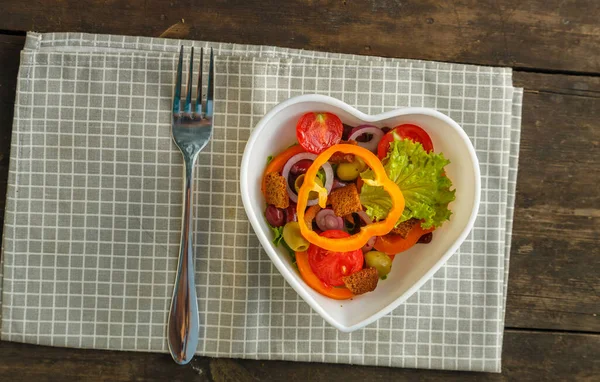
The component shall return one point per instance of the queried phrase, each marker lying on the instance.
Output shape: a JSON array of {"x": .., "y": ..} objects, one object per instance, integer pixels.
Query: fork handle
[{"x": 183, "y": 323}]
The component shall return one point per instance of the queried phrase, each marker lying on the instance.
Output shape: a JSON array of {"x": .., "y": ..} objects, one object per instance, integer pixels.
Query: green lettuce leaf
[
  {"x": 420, "y": 177},
  {"x": 278, "y": 239},
  {"x": 290, "y": 251},
  {"x": 375, "y": 199},
  {"x": 278, "y": 234},
  {"x": 321, "y": 175}
]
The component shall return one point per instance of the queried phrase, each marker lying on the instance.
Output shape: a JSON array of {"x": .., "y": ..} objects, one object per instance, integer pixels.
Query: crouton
[
  {"x": 340, "y": 157},
  {"x": 276, "y": 191},
  {"x": 345, "y": 200},
  {"x": 404, "y": 228},
  {"x": 362, "y": 281}
]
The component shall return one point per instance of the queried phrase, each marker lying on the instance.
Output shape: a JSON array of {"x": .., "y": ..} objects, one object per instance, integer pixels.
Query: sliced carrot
[
  {"x": 393, "y": 244},
  {"x": 277, "y": 163},
  {"x": 310, "y": 214},
  {"x": 313, "y": 281}
]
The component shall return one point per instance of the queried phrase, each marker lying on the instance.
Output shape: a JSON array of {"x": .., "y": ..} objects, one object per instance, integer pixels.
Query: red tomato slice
[
  {"x": 330, "y": 266},
  {"x": 316, "y": 132},
  {"x": 393, "y": 244},
  {"x": 313, "y": 281},
  {"x": 406, "y": 131}
]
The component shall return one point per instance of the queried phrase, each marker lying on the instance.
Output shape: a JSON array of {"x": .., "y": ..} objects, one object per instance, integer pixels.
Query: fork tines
[{"x": 198, "y": 108}]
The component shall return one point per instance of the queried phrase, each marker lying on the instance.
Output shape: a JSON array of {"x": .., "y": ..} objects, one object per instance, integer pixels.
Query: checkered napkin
[{"x": 93, "y": 211}]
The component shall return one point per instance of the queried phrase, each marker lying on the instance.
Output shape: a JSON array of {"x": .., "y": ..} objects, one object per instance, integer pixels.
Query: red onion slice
[
  {"x": 365, "y": 218},
  {"x": 286, "y": 173},
  {"x": 359, "y": 127},
  {"x": 369, "y": 246},
  {"x": 327, "y": 220},
  {"x": 338, "y": 184},
  {"x": 376, "y": 133}
]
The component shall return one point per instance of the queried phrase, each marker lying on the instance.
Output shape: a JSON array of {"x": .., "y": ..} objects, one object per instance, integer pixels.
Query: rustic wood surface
[
  {"x": 9, "y": 66},
  {"x": 552, "y": 317},
  {"x": 528, "y": 356},
  {"x": 549, "y": 34}
]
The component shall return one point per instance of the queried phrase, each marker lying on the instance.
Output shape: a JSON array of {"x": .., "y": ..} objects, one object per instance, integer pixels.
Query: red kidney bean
[
  {"x": 290, "y": 213},
  {"x": 275, "y": 216},
  {"x": 300, "y": 167},
  {"x": 426, "y": 239},
  {"x": 347, "y": 131}
]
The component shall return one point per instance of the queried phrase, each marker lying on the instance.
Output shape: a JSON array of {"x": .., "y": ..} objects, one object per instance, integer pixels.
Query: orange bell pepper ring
[{"x": 359, "y": 239}]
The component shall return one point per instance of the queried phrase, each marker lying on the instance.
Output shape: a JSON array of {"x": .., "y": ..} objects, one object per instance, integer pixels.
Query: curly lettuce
[
  {"x": 278, "y": 239},
  {"x": 420, "y": 176}
]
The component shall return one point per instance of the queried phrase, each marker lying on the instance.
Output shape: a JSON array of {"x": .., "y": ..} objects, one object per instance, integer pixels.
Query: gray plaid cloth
[{"x": 94, "y": 205}]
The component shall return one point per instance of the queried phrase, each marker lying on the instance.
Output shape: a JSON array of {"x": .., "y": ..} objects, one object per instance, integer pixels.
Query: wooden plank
[
  {"x": 527, "y": 356},
  {"x": 554, "y": 281},
  {"x": 547, "y": 34},
  {"x": 10, "y": 46},
  {"x": 22, "y": 362}
]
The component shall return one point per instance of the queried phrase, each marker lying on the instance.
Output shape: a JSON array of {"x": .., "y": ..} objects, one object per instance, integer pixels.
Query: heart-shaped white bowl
[{"x": 410, "y": 269}]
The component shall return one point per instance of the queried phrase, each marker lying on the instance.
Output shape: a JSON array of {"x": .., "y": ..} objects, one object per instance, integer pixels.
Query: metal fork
[{"x": 191, "y": 130}]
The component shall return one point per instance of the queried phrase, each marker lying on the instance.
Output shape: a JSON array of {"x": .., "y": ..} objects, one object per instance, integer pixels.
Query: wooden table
[{"x": 552, "y": 319}]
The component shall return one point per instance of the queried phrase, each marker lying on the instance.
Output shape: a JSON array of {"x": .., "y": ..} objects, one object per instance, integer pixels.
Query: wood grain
[
  {"x": 179, "y": 30},
  {"x": 10, "y": 46},
  {"x": 554, "y": 279},
  {"x": 528, "y": 356},
  {"x": 543, "y": 34},
  {"x": 22, "y": 362}
]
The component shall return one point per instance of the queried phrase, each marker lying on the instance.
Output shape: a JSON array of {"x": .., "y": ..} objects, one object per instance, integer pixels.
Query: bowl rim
[{"x": 276, "y": 259}]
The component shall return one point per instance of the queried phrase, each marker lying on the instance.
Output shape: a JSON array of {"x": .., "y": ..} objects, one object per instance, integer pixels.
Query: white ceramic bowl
[{"x": 410, "y": 269}]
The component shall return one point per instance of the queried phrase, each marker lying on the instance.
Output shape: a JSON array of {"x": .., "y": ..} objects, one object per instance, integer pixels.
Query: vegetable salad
[{"x": 344, "y": 200}]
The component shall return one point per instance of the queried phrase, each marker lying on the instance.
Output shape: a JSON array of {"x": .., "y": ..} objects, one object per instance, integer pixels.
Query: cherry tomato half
[
  {"x": 316, "y": 132},
  {"x": 330, "y": 266},
  {"x": 408, "y": 131}
]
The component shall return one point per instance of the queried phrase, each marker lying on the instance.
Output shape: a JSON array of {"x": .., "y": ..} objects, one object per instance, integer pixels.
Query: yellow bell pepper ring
[{"x": 359, "y": 239}]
